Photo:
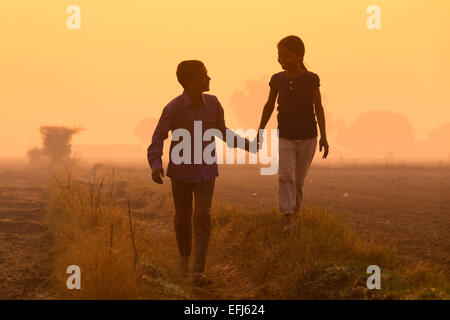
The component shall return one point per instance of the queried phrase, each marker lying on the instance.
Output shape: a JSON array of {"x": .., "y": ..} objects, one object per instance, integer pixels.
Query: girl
[{"x": 297, "y": 90}]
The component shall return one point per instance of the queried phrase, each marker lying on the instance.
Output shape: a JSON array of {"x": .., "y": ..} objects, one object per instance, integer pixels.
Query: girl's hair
[{"x": 294, "y": 44}]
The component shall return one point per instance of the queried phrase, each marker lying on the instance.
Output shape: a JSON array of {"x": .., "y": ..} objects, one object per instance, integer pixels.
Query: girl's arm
[
  {"x": 320, "y": 114},
  {"x": 268, "y": 108}
]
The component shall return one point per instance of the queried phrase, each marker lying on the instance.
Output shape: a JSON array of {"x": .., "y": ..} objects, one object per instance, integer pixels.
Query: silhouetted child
[
  {"x": 299, "y": 103},
  {"x": 195, "y": 178}
]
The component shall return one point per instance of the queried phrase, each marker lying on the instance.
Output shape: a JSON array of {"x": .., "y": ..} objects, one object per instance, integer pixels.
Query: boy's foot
[
  {"x": 199, "y": 279},
  {"x": 183, "y": 266},
  {"x": 289, "y": 222}
]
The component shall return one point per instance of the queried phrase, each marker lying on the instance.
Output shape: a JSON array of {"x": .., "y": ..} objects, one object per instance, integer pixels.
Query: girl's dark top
[{"x": 296, "y": 118}]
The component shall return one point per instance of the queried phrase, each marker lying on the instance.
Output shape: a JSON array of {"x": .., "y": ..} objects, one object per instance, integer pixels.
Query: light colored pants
[{"x": 295, "y": 160}]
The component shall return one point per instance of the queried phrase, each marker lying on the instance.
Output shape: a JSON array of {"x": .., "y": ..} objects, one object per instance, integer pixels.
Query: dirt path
[{"x": 24, "y": 239}]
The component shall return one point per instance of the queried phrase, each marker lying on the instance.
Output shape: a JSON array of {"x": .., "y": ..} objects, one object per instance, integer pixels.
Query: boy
[{"x": 191, "y": 178}]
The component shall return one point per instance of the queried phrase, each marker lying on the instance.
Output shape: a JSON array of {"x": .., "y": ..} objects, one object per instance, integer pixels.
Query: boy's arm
[
  {"x": 320, "y": 114},
  {"x": 155, "y": 150}
]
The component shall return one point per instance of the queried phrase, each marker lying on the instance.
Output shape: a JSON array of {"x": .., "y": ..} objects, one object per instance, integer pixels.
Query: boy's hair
[
  {"x": 187, "y": 70},
  {"x": 294, "y": 44}
]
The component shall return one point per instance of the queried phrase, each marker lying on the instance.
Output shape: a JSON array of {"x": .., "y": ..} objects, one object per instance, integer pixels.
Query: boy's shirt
[{"x": 181, "y": 113}]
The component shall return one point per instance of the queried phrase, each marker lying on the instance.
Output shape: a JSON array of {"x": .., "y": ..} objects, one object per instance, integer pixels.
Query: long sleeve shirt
[{"x": 181, "y": 113}]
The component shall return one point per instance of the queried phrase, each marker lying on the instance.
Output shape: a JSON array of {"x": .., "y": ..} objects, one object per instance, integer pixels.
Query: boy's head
[{"x": 193, "y": 76}]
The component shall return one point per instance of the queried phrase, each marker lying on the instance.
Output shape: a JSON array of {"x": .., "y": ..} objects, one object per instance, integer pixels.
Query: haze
[{"x": 118, "y": 70}]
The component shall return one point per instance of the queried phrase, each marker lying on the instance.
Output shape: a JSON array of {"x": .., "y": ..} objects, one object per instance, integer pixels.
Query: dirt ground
[
  {"x": 24, "y": 239},
  {"x": 402, "y": 207}
]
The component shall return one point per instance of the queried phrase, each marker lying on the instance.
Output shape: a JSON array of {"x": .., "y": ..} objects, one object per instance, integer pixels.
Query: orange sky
[{"x": 120, "y": 67}]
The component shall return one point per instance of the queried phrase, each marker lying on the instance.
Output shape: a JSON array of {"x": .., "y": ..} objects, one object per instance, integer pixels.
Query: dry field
[
  {"x": 24, "y": 239},
  {"x": 405, "y": 207},
  {"x": 402, "y": 208}
]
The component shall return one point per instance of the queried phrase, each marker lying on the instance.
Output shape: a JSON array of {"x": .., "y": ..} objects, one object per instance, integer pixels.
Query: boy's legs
[
  {"x": 306, "y": 149},
  {"x": 203, "y": 193},
  {"x": 286, "y": 176},
  {"x": 182, "y": 198}
]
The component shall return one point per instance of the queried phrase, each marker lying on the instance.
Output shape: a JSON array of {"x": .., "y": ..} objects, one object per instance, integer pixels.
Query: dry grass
[
  {"x": 129, "y": 251},
  {"x": 91, "y": 231}
]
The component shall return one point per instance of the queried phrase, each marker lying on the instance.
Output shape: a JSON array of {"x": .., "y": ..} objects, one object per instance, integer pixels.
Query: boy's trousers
[
  {"x": 295, "y": 160},
  {"x": 183, "y": 194}
]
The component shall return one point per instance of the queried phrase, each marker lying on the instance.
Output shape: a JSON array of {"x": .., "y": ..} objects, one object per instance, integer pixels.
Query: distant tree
[
  {"x": 375, "y": 133},
  {"x": 57, "y": 142},
  {"x": 35, "y": 156},
  {"x": 57, "y": 146},
  {"x": 436, "y": 144}
]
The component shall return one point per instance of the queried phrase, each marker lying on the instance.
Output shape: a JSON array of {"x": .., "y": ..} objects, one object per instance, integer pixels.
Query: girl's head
[{"x": 291, "y": 51}]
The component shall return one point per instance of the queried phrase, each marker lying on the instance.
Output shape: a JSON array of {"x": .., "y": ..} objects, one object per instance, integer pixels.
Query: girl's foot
[
  {"x": 289, "y": 222},
  {"x": 200, "y": 280}
]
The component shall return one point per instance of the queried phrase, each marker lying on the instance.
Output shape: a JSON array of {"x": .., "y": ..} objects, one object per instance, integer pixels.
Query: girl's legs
[
  {"x": 306, "y": 149},
  {"x": 286, "y": 175},
  {"x": 295, "y": 160},
  {"x": 286, "y": 180}
]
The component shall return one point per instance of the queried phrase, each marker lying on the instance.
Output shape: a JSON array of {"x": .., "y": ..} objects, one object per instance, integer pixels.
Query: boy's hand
[
  {"x": 156, "y": 175},
  {"x": 324, "y": 143}
]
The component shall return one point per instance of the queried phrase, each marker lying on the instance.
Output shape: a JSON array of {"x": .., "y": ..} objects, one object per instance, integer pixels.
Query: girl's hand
[
  {"x": 324, "y": 143},
  {"x": 259, "y": 140}
]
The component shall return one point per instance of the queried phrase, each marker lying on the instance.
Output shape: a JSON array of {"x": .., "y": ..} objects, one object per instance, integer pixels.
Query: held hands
[
  {"x": 157, "y": 174},
  {"x": 323, "y": 143},
  {"x": 258, "y": 140}
]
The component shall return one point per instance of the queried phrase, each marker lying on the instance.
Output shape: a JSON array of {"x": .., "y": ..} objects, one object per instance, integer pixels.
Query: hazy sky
[{"x": 120, "y": 66}]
